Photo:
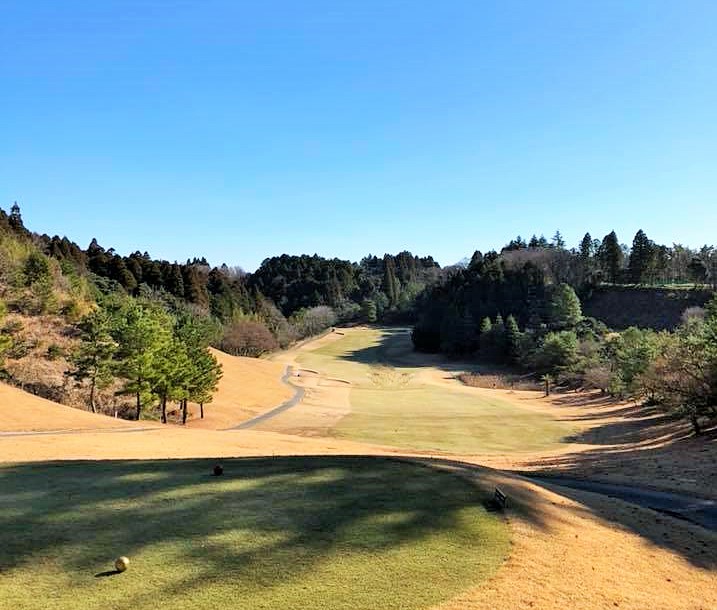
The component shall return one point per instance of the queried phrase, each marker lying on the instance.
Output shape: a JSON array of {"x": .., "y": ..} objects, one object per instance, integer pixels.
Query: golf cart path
[
  {"x": 698, "y": 511},
  {"x": 284, "y": 406},
  {"x": 690, "y": 508},
  {"x": 79, "y": 431}
]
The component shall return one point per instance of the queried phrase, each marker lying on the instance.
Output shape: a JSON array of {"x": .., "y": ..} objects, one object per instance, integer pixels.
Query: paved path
[
  {"x": 78, "y": 431},
  {"x": 284, "y": 406},
  {"x": 696, "y": 510}
]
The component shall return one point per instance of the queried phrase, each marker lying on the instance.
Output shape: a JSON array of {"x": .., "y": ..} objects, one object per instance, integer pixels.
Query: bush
[
  {"x": 309, "y": 322},
  {"x": 54, "y": 352},
  {"x": 248, "y": 338},
  {"x": 36, "y": 269},
  {"x": 557, "y": 351}
]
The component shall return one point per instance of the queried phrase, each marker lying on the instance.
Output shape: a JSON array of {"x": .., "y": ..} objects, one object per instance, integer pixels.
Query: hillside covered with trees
[
  {"x": 130, "y": 334},
  {"x": 522, "y": 308}
]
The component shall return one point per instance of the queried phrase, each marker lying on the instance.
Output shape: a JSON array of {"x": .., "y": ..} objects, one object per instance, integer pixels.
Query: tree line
[
  {"x": 516, "y": 308},
  {"x": 157, "y": 356}
]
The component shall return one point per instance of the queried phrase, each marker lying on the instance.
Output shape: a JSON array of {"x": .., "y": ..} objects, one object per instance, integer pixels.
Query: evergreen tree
[
  {"x": 391, "y": 286},
  {"x": 486, "y": 337},
  {"x": 476, "y": 260},
  {"x": 512, "y": 339},
  {"x": 697, "y": 270},
  {"x": 204, "y": 384},
  {"x": 142, "y": 334},
  {"x": 642, "y": 257},
  {"x": 611, "y": 256},
  {"x": 499, "y": 340},
  {"x": 558, "y": 241},
  {"x": 564, "y": 309},
  {"x": 170, "y": 374},
  {"x": 94, "y": 359},
  {"x": 586, "y": 247},
  {"x": 368, "y": 310}
]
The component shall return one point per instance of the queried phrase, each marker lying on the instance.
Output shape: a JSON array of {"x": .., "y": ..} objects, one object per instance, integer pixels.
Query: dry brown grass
[
  {"x": 37, "y": 372},
  {"x": 570, "y": 549},
  {"x": 588, "y": 552},
  {"x": 498, "y": 381},
  {"x": 20, "y": 411},
  {"x": 249, "y": 386}
]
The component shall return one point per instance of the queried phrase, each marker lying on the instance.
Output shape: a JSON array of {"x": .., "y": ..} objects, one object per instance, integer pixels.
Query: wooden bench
[{"x": 500, "y": 499}]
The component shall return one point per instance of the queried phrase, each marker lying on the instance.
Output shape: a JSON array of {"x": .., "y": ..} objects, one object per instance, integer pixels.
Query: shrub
[
  {"x": 248, "y": 338},
  {"x": 54, "y": 352}
]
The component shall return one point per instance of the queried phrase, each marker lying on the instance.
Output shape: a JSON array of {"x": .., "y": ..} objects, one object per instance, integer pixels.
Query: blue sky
[{"x": 240, "y": 130}]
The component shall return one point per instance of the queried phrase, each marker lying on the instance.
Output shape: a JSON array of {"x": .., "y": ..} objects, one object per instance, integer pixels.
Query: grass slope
[
  {"x": 329, "y": 533},
  {"x": 391, "y": 406}
]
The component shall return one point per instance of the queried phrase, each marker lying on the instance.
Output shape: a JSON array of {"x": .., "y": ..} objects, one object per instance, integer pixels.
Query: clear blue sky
[{"x": 240, "y": 130}]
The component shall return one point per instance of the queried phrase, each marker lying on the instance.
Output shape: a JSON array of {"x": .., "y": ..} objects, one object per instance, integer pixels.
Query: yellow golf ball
[{"x": 121, "y": 563}]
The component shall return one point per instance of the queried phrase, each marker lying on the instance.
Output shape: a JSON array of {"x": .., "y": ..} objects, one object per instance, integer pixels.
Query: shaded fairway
[
  {"x": 390, "y": 405},
  {"x": 337, "y": 533}
]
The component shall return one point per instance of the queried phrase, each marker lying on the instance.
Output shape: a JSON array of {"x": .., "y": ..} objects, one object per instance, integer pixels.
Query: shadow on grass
[
  {"x": 265, "y": 521},
  {"x": 694, "y": 544},
  {"x": 394, "y": 349},
  {"x": 107, "y": 573}
]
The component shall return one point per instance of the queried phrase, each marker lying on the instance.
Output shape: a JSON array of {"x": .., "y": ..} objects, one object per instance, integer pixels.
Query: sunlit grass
[
  {"x": 390, "y": 406},
  {"x": 290, "y": 533}
]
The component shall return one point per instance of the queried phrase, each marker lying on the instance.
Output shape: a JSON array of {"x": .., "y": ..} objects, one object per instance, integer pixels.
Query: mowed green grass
[
  {"x": 389, "y": 407},
  {"x": 352, "y": 357},
  {"x": 283, "y": 533},
  {"x": 429, "y": 418}
]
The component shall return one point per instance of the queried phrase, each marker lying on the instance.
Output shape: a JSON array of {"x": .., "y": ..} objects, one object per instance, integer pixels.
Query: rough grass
[
  {"x": 391, "y": 406},
  {"x": 327, "y": 533}
]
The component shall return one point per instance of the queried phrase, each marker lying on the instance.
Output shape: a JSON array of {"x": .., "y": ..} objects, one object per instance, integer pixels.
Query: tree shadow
[
  {"x": 395, "y": 349},
  {"x": 691, "y": 542},
  {"x": 300, "y": 512}
]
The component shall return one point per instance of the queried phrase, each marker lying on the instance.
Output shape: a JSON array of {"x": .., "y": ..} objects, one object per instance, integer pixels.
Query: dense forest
[
  {"x": 139, "y": 327},
  {"x": 522, "y": 308}
]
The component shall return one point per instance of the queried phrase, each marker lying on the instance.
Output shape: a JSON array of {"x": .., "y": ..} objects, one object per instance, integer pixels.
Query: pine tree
[
  {"x": 368, "y": 310},
  {"x": 391, "y": 286},
  {"x": 498, "y": 339},
  {"x": 558, "y": 241},
  {"x": 486, "y": 337},
  {"x": 476, "y": 261},
  {"x": 204, "y": 382},
  {"x": 142, "y": 337},
  {"x": 564, "y": 309},
  {"x": 94, "y": 359}
]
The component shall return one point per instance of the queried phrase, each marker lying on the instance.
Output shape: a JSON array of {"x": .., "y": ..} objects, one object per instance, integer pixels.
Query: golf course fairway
[{"x": 395, "y": 400}]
